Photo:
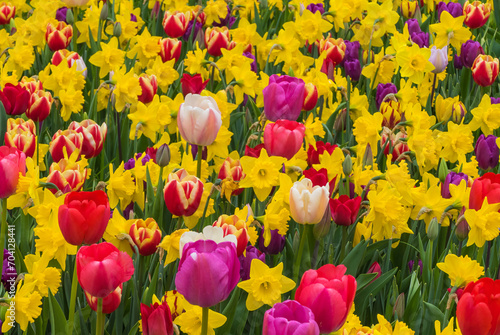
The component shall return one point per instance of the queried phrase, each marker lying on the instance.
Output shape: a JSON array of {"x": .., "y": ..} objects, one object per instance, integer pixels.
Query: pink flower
[
  {"x": 12, "y": 161},
  {"x": 284, "y": 138}
]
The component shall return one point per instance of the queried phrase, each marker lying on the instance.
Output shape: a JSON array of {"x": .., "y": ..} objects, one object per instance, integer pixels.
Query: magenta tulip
[
  {"x": 289, "y": 318},
  {"x": 283, "y": 97},
  {"x": 12, "y": 161}
]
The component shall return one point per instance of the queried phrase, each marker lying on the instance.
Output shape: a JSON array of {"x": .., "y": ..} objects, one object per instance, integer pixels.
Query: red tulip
[
  {"x": 183, "y": 193},
  {"x": 15, "y": 99},
  {"x": 12, "y": 162},
  {"x": 170, "y": 49},
  {"x": 192, "y": 84},
  {"x": 478, "y": 310},
  {"x": 232, "y": 224},
  {"x": 7, "y": 12},
  {"x": 487, "y": 186},
  {"x": 476, "y": 14},
  {"x": 175, "y": 23},
  {"x": 101, "y": 268},
  {"x": 313, "y": 154},
  {"x": 69, "y": 139},
  {"x": 284, "y": 138},
  {"x": 375, "y": 268},
  {"x": 84, "y": 216},
  {"x": 149, "y": 86},
  {"x": 67, "y": 176},
  {"x": 329, "y": 294},
  {"x": 109, "y": 303},
  {"x": 216, "y": 39},
  {"x": 58, "y": 37},
  {"x": 485, "y": 70},
  {"x": 231, "y": 173},
  {"x": 310, "y": 97},
  {"x": 345, "y": 210},
  {"x": 40, "y": 103},
  {"x": 20, "y": 137},
  {"x": 93, "y": 136},
  {"x": 146, "y": 235},
  {"x": 156, "y": 319}
]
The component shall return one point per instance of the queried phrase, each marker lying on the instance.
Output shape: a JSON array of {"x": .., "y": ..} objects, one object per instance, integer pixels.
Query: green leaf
[
  {"x": 57, "y": 319},
  {"x": 434, "y": 312},
  {"x": 354, "y": 258},
  {"x": 362, "y": 296},
  {"x": 364, "y": 279}
]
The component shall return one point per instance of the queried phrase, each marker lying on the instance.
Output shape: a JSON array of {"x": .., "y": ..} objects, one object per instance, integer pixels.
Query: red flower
[
  {"x": 216, "y": 39},
  {"x": 313, "y": 154},
  {"x": 487, "y": 186},
  {"x": 156, "y": 319},
  {"x": 84, "y": 217},
  {"x": 478, "y": 310},
  {"x": 58, "y": 37},
  {"x": 12, "y": 162},
  {"x": 284, "y": 138},
  {"x": 183, "y": 193},
  {"x": 320, "y": 178},
  {"x": 109, "y": 303},
  {"x": 192, "y": 84},
  {"x": 93, "y": 136},
  {"x": 15, "y": 99},
  {"x": 170, "y": 49},
  {"x": 101, "y": 268},
  {"x": 345, "y": 210},
  {"x": 255, "y": 151},
  {"x": 146, "y": 235},
  {"x": 485, "y": 70},
  {"x": 149, "y": 86}
]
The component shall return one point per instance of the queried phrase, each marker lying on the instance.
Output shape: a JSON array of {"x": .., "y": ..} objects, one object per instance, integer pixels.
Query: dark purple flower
[
  {"x": 454, "y": 8},
  {"x": 277, "y": 243},
  {"x": 421, "y": 39},
  {"x": 133, "y": 18},
  {"x": 289, "y": 318},
  {"x": 470, "y": 50},
  {"x": 411, "y": 263},
  {"x": 9, "y": 273},
  {"x": 245, "y": 261},
  {"x": 194, "y": 151},
  {"x": 61, "y": 14},
  {"x": 228, "y": 21},
  {"x": 495, "y": 101},
  {"x": 457, "y": 62},
  {"x": 487, "y": 152},
  {"x": 351, "y": 51},
  {"x": 353, "y": 69},
  {"x": 316, "y": 7},
  {"x": 129, "y": 165},
  {"x": 452, "y": 178},
  {"x": 413, "y": 26},
  {"x": 253, "y": 66},
  {"x": 197, "y": 28},
  {"x": 382, "y": 91}
]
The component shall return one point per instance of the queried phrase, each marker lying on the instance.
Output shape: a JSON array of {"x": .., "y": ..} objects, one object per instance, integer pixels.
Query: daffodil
[
  {"x": 190, "y": 320},
  {"x": 27, "y": 302},
  {"x": 366, "y": 130},
  {"x": 414, "y": 63},
  {"x": 71, "y": 101},
  {"x": 484, "y": 223},
  {"x": 41, "y": 274},
  {"x": 170, "y": 244},
  {"x": 450, "y": 30},
  {"x": 461, "y": 270},
  {"x": 485, "y": 116},
  {"x": 145, "y": 120},
  {"x": 110, "y": 58},
  {"x": 266, "y": 285},
  {"x": 380, "y": 70},
  {"x": 144, "y": 47},
  {"x": 456, "y": 142},
  {"x": 120, "y": 186},
  {"x": 127, "y": 88},
  {"x": 311, "y": 27},
  {"x": 214, "y": 11},
  {"x": 116, "y": 231}
]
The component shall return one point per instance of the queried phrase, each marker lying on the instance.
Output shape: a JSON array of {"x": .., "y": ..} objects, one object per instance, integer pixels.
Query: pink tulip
[
  {"x": 12, "y": 161},
  {"x": 289, "y": 318},
  {"x": 284, "y": 138}
]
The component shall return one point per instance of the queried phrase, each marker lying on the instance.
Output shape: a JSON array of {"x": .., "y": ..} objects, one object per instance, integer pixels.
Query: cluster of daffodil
[{"x": 246, "y": 166}]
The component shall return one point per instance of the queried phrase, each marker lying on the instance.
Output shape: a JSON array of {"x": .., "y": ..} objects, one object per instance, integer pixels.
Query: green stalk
[
  {"x": 296, "y": 268},
  {"x": 72, "y": 303},
  {"x": 204, "y": 321},
  {"x": 198, "y": 167},
  {"x": 343, "y": 245},
  {"x": 3, "y": 228},
  {"x": 101, "y": 317}
]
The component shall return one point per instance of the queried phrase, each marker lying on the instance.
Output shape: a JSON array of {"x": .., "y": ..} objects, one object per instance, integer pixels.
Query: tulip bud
[
  {"x": 163, "y": 155},
  {"x": 23, "y": 140},
  {"x": 365, "y": 55},
  {"x": 439, "y": 58},
  {"x": 149, "y": 86},
  {"x": 183, "y": 193},
  {"x": 367, "y": 157},
  {"x": 7, "y": 12},
  {"x": 192, "y": 84},
  {"x": 21, "y": 125},
  {"x": 375, "y": 268},
  {"x": 469, "y": 52},
  {"x": 69, "y": 140},
  {"x": 399, "y": 307},
  {"x": 175, "y": 23},
  {"x": 476, "y": 14},
  {"x": 442, "y": 170},
  {"x": 340, "y": 121},
  {"x": 433, "y": 229},
  {"x": 345, "y": 210},
  {"x": 93, "y": 136},
  {"x": 110, "y": 302},
  {"x": 170, "y": 49},
  {"x": 310, "y": 97},
  {"x": 458, "y": 112},
  {"x": 408, "y": 8},
  {"x": 104, "y": 12},
  {"x": 487, "y": 152},
  {"x": 383, "y": 90},
  {"x": 70, "y": 18},
  {"x": 146, "y": 235},
  {"x": 117, "y": 29},
  {"x": 39, "y": 106},
  {"x": 454, "y": 8},
  {"x": 485, "y": 70},
  {"x": 462, "y": 230},
  {"x": 58, "y": 37},
  {"x": 347, "y": 165},
  {"x": 216, "y": 39},
  {"x": 353, "y": 68},
  {"x": 157, "y": 319},
  {"x": 334, "y": 48}
]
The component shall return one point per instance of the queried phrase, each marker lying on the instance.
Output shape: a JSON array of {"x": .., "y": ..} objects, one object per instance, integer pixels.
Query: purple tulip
[
  {"x": 245, "y": 261},
  {"x": 454, "y": 8},
  {"x": 382, "y": 91},
  {"x": 207, "y": 272},
  {"x": 487, "y": 152},
  {"x": 413, "y": 26},
  {"x": 9, "y": 273},
  {"x": 421, "y": 39},
  {"x": 351, "y": 52},
  {"x": 452, "y": 178},
  {"x": 197, "y": 28},
  {"x": 470, "y": 50},
  {"x": 316, "y": 7},
  {"x": 228, "y": 21},
  {"x": 289, "y": 318},
  {"x": 353, "y": 69},
  {"x": 283, "y": 97},
  {"x": 420, "y": 264},
  {"x": 495, "y": 101},
  {"x": 61, "y": 14},
  {"x": 457, "y": 62},
  {"x": 253, "y": 66},
  {"x": 275, "y": 246}
]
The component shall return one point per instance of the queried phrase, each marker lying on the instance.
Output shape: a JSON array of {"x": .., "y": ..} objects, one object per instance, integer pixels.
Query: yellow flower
[
  {"x": 383, "y": 67},
  {"x": 456, "y": 142},
  {"x": 261, "y": 173},
  {"x": 127, "y": 88},
  {"x": 146, "y": 47},
  {"x": 450, "y": 30},
  {"x": 90, "y": 23},
  {"x": 27, "y": 302},
  {"x": 484, "y": 223},
  {"x": 192, "y": 221},
  {"x": 245, "y": 81},
  {"x": 232, "y": 60},
  {"x": 461, "y": 270},
  {"x": 144, "y": 120},
  {"x": 314, "y": 127},
  {"x": 276, "y": 217},
  {"x": 382, "y": 17},
  {"x": 414, "y": 63},
  {"x": 62, "y": 77},
  {"x": 109, "y": 58},
  {"x": 120, "y": 187},
  {"x": 164, "y": 72},
  {"x": 115, "y": 230},
  {"x": 385, "y": 327},
  {"x": 214, "y": 11},
  {"x": 265, "y": 285},
  {"x": 21, "y": 58},
  {"x": 44, "y": 277},
  {"x": 448, "y": 330},
  {"x": 245, "y": 34},
  {"x": 190, "y": 320},
  {"x": 71, "y": 101},
  {"x": 195, "y": 62},
  {"x": 485, "y": 116},
  {"x": 331, "y": 162},
  {"x": 170, "y": 244},
  {"x": 311, "y": 27},
  {"x": 221, "y": 144},
  {"x": 366, "y": 130}
]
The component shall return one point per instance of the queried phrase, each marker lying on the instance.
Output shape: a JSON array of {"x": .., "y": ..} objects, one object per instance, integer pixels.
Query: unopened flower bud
[
  {"x": 433, "y": 229},
  {"x": 347, "y": 165},
  {"x": 462, "y": 230},
  {"x": 163, "y": 155},
  {"x": 104, "y": 12},
  {"x": 322, "y": 228},
  {"x": 70, "y": 19},
  {"x": 117, "y": 29},
  {"x": 442, "y": 170},
  {"x": 399, "y": 306}
]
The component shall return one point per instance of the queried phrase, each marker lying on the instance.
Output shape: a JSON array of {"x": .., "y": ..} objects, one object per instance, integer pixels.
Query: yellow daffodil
[
  {"x": 484, "y": 223},
  {"x": 127, "y": 88},
  {"x": 414, "y": 62},
  {"x": 170, "y": 244},
  {"x": 450, "y": 30},
  {"x": 461, "y": 270},
  {"x": 115, "y": 232},
  {"x": 456, "y": 142},
  {"x": 110, "y": 58},
  {"x": 485, "y": 116},
  {"x": 190, "y": 321},
  {"x": 27, "y": 302},
  {"x": 120, "y": 186},
  {"x": 41, "y": 274}
]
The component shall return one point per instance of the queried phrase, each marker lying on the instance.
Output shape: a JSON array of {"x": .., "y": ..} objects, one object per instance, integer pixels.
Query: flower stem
[
  {"x": 296, "y": 268},
  {"x": 432, "y": 92},
  {"x": 198, "y": 167},
  {"x": 3, "y": 228},
  {"x": 101, "y": 317},
  {"x": 343, "y": 245},
  {"x": 204, "y": 321},
  {"x": 72, "y": 302}
]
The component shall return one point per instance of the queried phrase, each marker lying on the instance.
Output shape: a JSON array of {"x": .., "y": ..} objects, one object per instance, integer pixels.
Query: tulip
[
  {"x": 408, "y": 8},
  {"x": 452, "y": 178},
  {"x": 197, "y": 34},
  {"x": 310, "y": 97},
  {"x": 439, "y": 58},
  {"x": 109, "y": 303},
  {"x": 276, "y": 245},
  {"x": 353, "y": 68},
  {"x": 192, "y": 84},
  {"x": 458, "y": 112},
  {"x": 469, "y": 52},
  {"x": 7, "y": 12},
  {"x": 146, "y": 235},
  {"x": 454, "y": 8},
  {"x": 199, "y": 119},
  {"x": 487, "y": 152},
  {"x": 156, "y": 319},
  {"x": 421, "y": 39},
  {"x": 217, "y": 39},
  {"x": 253, "y": 66},
  {"x": 284, "y": 138},
  {"x": 487, "y": 186},
  {"x": 69, "y": 139},
  {"x": 313, "y": 154},
  {"x": 40, "y": 103},
  {"x": 170, "y": 49},
  {"x": 283, "y": 97},
  {"x": 15, "y": 99},
  {"x": 289, "y": 318},
  {"x": 20, "y": 125},
  {"x": 61, "y": 14},
  {"x": 485, "y": 70},
  {"x": 383, "y": 90},
  {"x": 162, "y": 155},
  {"x": 175, "y": 23},
  {"x": 391, "y": 110},
  {"x": 320, "y": 178},
  {"x": 478, "y": 310},
  {"x": 101, "y": 268},
  {"x": 232, "y": 224},
  {"x": 329, "y": 294},
  {"x": 23, "y": 140},
  {"x": 476, "y": 14},
  {"x": 83, "y": 217},
  {"x": 149, "y": 86},
  {"x": 231, "y": 173},
  {"x": 345, "y": 210},
  {"x": 67, "y": 176},
  {"x": 93, "y": 136},
  {"x": 251, "y": 253},
  {"x": 182, "y": 193},
  {"x": 58, "y": 37},
  {"x": 375, "y": 268},
  {"x": 308, "y": 203},
  {"x": 397, "y": 143},
  {"x": 316, "y": 7},
  {"x": 413, "y": 27},
  {"x": 12, "y": 162},
  {"x": 255, "y": 151},
  {"x": 334, "y": 48},
  {"x": 495, "y": 100},
  {"x": 208, "y": 272}
]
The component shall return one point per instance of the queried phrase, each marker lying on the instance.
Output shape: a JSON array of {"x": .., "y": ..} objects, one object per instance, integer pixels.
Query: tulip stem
[
  {"x": 296, "y": 268},
  {"x": 72, "y": 302},
  {"x": 432, "y": 93},
  {"x": 343, "y": 245},
  {"x": 198, "y": 167},
  {"x": 3, "y": 228},
  {"x": 99, "y": 325},
  {"x": 37, "y": 139},
  {"x": 204, "y": 321}
]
